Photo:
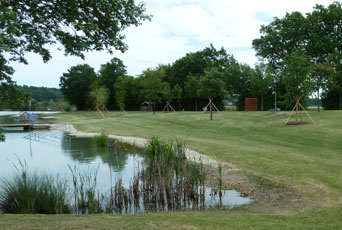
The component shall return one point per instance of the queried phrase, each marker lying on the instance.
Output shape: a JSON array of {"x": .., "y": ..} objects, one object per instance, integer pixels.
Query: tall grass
[
  {"x": 33, "y": 193},
  {"x": 166, "y": 181},
  {"x": 86, "y": 197}
]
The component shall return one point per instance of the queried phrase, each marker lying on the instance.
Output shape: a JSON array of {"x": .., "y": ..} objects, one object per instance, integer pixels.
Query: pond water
[{"x": 57, "y": 153}]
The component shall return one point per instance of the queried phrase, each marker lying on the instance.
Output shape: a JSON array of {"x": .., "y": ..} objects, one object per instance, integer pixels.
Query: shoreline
[
  {"x": 230, "y": 179},
  {"x": 190, "y": 154}
]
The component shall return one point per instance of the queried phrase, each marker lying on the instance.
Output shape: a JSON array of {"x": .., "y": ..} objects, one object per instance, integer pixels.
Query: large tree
[
  {"x": 335, "y": 77},
  {"x": 192, "y": 86},
  {"x": 318, "y": 33},
  {"x": 261, "y": 81},
  {"x": 76, "y": 85},
  {"x": 296, "y": 71},
  {"x": 153, "y": 86},
  {"x": 127, "y": 90},
  {"x": 212, "y": 87},
  {"x": 108, "y": 75},
  {"x": 78, "y": 26},
  {"x": 177, "y": 92}
]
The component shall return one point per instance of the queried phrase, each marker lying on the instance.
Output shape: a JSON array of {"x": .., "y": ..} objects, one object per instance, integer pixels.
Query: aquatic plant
[
  {"x": 101, "y": 140},
  {"x": 166, "y": 181},
  {"x": 86, "y": 197},
  {"x": 32, "y": 193}
]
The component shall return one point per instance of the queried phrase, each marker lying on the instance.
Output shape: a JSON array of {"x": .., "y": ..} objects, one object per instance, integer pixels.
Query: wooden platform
[{"x": 26, "y": 126}]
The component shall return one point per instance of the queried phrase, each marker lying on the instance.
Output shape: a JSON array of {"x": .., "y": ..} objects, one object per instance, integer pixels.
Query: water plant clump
[
  {"x": 32, "y": 193},
  {"x": 167, "y": 181},
  {"x": 101, "y": 140},
  {"x": 87, "y": 200}
]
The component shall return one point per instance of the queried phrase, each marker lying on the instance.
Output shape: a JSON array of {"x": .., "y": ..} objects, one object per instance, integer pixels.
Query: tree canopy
[
  {"x": 318, "y": 33},
  {"x": 76, "y": 85},
  {"x": 76, "y": 26},
  {"x": 108, "y": 75}
]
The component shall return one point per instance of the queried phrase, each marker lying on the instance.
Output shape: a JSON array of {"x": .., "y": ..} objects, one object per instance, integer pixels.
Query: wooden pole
[
  {"x": 307, "y": 113},
  {"x": 100, "y": 112},
  {"x": 290, "y": 114},
  {"x": 211, "y": 108},
  {"x": 216, "y": 108}
]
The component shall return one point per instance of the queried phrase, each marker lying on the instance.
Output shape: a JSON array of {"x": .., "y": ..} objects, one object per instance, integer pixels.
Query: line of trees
[{"x": 190, "y": 81}]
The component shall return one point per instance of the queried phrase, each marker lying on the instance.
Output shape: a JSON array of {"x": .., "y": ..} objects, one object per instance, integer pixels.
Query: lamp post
[{"x": 275, "y": 100}]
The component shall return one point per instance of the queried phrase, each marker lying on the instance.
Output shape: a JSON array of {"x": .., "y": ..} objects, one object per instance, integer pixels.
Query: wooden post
[{"x": 211, "y": 108}]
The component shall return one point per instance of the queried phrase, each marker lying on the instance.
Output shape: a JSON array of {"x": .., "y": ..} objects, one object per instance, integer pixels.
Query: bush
[{"x": 101, "y": 140}]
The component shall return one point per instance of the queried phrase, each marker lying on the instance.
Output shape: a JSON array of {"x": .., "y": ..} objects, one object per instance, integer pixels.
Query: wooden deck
[{"x": 26, "y": 126}]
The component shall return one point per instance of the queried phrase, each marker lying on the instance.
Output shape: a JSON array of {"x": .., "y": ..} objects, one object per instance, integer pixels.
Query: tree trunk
[
  {"x": 195, "y": 104},
  {"x": 211, "y": 109},
  {"x": 340, "y": 101},
  {"x": 179, "y": 107},
  {"x": 262, "y": 102},
  {"x": 154, "y": 109},
  {"x": 319, "y": 102}
]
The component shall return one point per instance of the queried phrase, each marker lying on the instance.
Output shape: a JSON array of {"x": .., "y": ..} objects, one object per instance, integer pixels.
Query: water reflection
[{"x": 84, "y": 150}]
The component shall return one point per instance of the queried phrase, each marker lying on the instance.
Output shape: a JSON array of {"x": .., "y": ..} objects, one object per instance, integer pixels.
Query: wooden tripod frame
[
  {"x": 168, "y": 107},
  {"x": 298, "y": 108},
  {"x": 214, "y": 106},
  {"x": 122, "y": 109},
  {"x": 102, "y": 109}
]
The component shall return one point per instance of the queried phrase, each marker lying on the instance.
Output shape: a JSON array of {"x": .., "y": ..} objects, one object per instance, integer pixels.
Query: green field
[{"x": 299, "y": 168}]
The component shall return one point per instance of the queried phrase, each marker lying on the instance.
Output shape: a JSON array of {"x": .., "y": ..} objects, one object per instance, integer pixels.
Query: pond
[{"x": 58, "y": 154}]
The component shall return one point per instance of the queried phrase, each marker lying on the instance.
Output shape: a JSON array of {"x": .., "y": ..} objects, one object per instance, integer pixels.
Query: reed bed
[{"x": 33, "y": 193}]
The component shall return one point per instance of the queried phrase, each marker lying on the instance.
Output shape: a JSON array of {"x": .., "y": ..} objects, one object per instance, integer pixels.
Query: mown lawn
[{"x": 300, "y": 166}]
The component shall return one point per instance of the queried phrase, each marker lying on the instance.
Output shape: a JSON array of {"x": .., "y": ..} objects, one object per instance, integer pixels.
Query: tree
[
  {"x": 10, "y": 96},
  {"x": 153, "y": 86},
  {"x": 75, "y": 85},
  {"x": 100, "y": 97},
  {"x": 79, "y": 26},
  {"x": 320, "y": 78},
  {"x": 335, "y": 78},
  {"x": 2, "y": 137},
  {"x": 262, "y": 79},
  {"x": 123, "y": 87},
  {"x": 212, "y": 86},
  {"x": 195, "y": 64},
  {"x": 192, "y": 85},
  {"x": 177, "y": 94},
  {"x": 281, "y": 37},
  {"x": 318, "y": 33},
  {"x": 296, "y": 71},
  {"x": 108, "y": 75}
]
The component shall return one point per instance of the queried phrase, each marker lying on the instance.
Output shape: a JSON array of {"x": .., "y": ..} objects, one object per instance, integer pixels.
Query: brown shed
[{"x": 251, "y": 104}]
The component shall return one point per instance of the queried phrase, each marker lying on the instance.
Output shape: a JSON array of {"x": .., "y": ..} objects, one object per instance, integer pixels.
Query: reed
[
  {"x": 32, "y": 193},
  {"x": 86, "y": 198}
]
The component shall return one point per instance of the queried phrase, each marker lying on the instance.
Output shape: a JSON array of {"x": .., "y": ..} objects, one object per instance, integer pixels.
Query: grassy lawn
[{"x": 300, "y": 166}]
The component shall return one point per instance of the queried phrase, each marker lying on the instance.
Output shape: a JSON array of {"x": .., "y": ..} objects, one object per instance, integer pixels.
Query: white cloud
[{"x": 177, "y": 27}]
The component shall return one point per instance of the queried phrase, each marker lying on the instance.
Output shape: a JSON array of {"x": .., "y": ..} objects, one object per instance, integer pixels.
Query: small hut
[{"x": 147, "y": 106}]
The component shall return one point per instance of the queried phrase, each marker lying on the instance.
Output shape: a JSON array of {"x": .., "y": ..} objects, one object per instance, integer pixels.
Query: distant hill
[{"x": 42, "y": 93}]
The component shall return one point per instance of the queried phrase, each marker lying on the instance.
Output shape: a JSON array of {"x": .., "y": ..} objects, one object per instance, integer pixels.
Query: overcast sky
[{"x": 177, "y": 27}]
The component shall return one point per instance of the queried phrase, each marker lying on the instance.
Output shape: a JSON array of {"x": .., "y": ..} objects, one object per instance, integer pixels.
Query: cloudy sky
[{"x": 177, "y": 27}]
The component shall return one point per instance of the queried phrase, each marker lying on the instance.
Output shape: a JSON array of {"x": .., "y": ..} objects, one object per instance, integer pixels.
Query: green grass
[{"x": 299, "y": 166}]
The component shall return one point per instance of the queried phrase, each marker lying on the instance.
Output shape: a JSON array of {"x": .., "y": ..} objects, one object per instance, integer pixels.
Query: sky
[{"x": 177, "y": 27}]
